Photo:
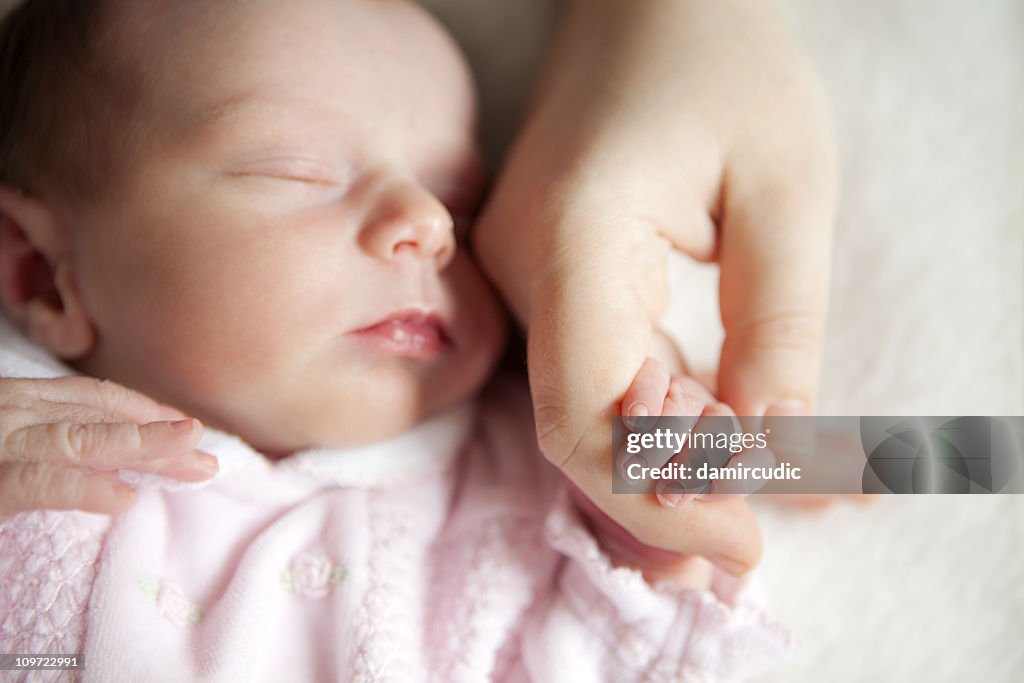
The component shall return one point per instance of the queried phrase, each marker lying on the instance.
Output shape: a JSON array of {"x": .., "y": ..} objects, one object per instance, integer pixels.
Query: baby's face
[{"x": 281, "y": 260}]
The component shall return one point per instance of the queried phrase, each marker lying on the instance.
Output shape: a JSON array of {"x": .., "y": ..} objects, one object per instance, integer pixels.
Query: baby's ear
[{"x": 37, "y": 283}]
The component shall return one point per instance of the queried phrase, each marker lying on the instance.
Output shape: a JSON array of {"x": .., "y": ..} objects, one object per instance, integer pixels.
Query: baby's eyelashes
[{"x": 300, "y": 170}]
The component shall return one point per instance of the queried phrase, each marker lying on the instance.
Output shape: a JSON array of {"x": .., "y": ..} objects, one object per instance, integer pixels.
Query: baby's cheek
[{"x": 480, "y": 322}]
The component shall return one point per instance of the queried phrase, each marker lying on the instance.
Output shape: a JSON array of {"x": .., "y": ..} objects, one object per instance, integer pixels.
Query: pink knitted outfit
[{"x": 451, "y": 553}]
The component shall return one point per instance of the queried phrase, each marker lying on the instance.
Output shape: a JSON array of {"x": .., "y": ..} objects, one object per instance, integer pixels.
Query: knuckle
[
  {"x": 16, "y": 399},
  {"x": 786, "y": 330},
  {"x": 77, "y": 384},
  {"x": 74, "y": 441}
]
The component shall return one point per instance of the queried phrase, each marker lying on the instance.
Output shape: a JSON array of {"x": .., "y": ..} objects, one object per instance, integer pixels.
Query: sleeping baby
[{"x": 254, "y": 212}]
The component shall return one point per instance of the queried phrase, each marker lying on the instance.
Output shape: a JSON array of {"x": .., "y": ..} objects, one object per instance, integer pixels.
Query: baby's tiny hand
[
  {"x": 657, "y": 392},
  {"x": 717, "y": 527}
]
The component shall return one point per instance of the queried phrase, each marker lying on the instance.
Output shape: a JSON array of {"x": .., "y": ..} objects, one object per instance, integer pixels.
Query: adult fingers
[
  {"x": 38, "y": 486},
  {"x": 100, "y": 445},
  {"x": 109, "y": 398},
  {"x": 775, "y": 262}
]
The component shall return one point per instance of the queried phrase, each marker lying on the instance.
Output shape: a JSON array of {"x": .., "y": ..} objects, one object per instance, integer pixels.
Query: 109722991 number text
[{"x": 25, "y": 662}]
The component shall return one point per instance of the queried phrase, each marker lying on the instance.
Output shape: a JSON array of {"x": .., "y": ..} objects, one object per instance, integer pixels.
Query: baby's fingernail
[
  {"x": 626, "y": 462},
  {"x": 670, "y": 500},
  {"x": 672, "y": 494},
  {"x": 637, "y": 410},
  {"x": 182, "y": 425},
  {"x": 791, "y": 408}
]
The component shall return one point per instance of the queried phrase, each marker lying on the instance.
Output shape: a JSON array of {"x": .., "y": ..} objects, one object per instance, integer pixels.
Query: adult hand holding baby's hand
[
  {"x": 688, "y": 125},
  {"x": 61, "y": 441}
]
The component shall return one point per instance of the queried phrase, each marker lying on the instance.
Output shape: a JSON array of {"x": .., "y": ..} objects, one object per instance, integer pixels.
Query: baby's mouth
[{"x": 409, "y": 333}]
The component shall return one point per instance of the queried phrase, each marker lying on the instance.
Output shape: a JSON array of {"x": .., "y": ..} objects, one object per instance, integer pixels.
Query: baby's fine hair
[{"x": 65, "y": 97}]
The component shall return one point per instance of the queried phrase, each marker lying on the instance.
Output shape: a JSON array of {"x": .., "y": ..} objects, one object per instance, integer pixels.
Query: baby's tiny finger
[
  {"x": 747, "y": 458},
  {"x": 699, "y": 452},
  {"x": 686, "y": 396},
  {"x": 681, "y": 405},
  {"x": 36, "y": 486},
  {"x": 102, "y": 445}
]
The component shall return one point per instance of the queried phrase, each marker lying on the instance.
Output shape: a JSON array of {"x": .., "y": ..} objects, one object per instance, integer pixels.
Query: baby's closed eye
[{"x": 310, "y": 171}]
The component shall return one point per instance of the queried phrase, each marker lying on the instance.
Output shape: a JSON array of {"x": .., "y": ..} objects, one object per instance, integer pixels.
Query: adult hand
[
  {"x": 689, "y": 125},
  {"x": 62, "y": 440}
]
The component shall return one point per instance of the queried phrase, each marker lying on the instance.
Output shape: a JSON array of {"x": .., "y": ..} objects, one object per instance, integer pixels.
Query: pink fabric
[{"x": 413, "y": 560}]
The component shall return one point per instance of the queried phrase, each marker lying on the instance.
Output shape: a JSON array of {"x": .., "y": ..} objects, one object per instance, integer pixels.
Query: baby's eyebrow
[
  {"x": 224, "y": 108},
  {"x": 238, "y": 104},
  {"x": 253, "y": 103}
]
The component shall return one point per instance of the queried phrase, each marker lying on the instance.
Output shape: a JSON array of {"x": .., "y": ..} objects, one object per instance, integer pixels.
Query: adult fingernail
[
  {"x": 207, "y": 462},
  {"x": 182, "y": 425},
  {"x": 637, "y": 410},
  {"x": 123, "y": 491}
]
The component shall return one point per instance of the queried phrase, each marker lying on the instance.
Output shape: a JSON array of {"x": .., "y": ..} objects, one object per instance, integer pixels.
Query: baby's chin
[
  {"x": 340, "y": 434},
  {"x": 346, "y": 422}
]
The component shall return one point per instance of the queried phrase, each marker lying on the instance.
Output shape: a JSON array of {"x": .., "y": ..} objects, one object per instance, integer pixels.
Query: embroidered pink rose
[
  {"x": 311, "y": 575},
  {"x": 172, "y": 602}
]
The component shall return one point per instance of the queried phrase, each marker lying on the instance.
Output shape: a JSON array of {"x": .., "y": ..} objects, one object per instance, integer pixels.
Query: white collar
[{"x": 426, "y": 449}]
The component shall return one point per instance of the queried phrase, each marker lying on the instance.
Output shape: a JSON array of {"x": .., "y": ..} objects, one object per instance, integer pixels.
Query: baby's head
[{"x": 245, "y": 209}]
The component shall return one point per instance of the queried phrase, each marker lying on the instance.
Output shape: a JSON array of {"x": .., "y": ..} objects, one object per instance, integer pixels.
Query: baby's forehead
[
  {"x": 161, "y": 37},
  {"x": 171, "y": 54},
  {"x": 314, "y": 48}
]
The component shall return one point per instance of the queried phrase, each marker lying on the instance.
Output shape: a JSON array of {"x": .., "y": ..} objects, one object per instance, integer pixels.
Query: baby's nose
[{"x": 408, "y": 219}]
